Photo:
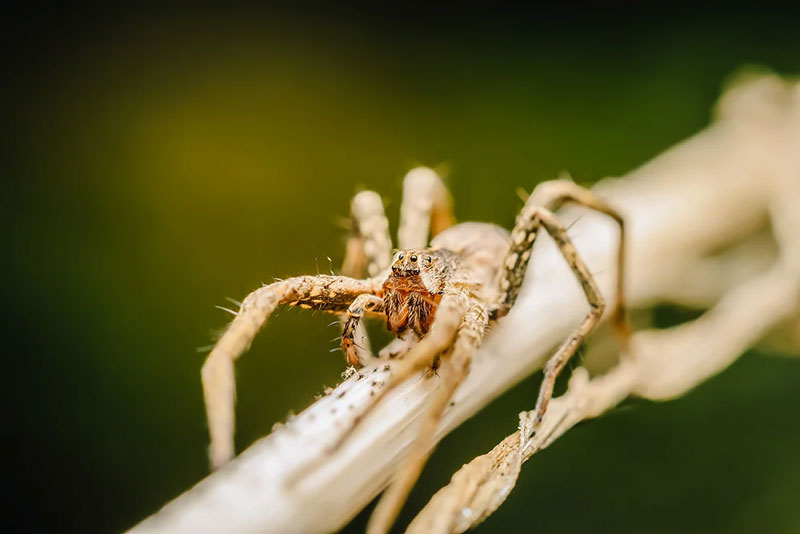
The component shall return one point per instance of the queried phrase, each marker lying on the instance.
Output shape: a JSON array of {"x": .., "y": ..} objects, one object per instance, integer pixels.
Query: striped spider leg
[
  {"x": 536, "y": 214},
  {"x": 368, "y": 248},
  {"x": 322, "y": 292}
]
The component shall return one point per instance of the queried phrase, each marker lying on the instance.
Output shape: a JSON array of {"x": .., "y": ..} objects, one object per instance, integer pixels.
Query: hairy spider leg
[
  {"x": 551, "y": 195},
  {"x": 323, "y": 292},
  {"x": 369, "y": 248},
  {"x": 427, "y": 208},
  {"x": 353, "y": 328},
  {"x": 530, "y": 220},
  {"x": 369, "y": 245},
  {"x": 449, "y": 315},
  {"x": 453, "y": 371}
]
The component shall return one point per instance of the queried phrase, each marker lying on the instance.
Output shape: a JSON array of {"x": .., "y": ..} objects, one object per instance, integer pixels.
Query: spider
[{"x": 438, "y": 301}]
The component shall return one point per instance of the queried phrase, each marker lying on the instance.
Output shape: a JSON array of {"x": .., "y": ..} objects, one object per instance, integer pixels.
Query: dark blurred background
[{"x": 161, "y": 160}]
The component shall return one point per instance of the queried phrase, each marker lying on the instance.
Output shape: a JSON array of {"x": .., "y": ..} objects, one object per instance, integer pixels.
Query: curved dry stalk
[
  {"x": 707, "y": 193},
  {"x": 668, "y": 363}
]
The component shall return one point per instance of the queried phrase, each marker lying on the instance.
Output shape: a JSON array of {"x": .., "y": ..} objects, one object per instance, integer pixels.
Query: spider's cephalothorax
[
  {"x": 415, "y": 287},
  {"x": 437, "y": 298}
]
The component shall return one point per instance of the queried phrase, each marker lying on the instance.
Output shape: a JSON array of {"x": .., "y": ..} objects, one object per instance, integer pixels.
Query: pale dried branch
[
  {"x": 665, "y": 365},
  {"x": 709, "y": 193}
]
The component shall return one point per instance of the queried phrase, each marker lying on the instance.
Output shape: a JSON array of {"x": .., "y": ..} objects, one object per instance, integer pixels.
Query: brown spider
[{"x": 437, "y": 300}]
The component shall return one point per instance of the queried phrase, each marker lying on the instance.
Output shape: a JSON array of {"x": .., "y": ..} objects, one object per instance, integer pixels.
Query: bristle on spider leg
[{"x": 223, "y": 308}]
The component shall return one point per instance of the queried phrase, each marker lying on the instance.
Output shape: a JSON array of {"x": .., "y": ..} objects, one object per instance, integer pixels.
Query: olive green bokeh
[{"x": 161, "y": 162}]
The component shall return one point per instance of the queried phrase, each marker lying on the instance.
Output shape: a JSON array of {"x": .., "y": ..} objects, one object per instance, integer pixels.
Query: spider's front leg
[
  {"x": 369, "y": 248},
  {"x": 535, "y": 215},
  {"x": 352, "y": 329},
  {"x": 453, "y": 371},
  {"x": 328, "y": 293},
  {"x": 457, "y": 317},
  {"x": 449, "y": 315}
]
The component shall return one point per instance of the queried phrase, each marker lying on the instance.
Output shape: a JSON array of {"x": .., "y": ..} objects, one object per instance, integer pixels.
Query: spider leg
[
  {"x": 323, "y": 292},
  {"x": 352, "y": 330},
  {"x": 453, "y": 371},
  {"x": 551, "y": 195},
  {"x": 449, "y": 314},
  {"x": 369, "y": 247},
  {"x": 530, "y": 220},
  {"x": 426, "y": 207}
]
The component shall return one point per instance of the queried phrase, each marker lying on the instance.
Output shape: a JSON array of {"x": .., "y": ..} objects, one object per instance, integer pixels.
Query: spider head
[
  {"x": 411, "y": 263},
  {"x": 416, "y": 270}
]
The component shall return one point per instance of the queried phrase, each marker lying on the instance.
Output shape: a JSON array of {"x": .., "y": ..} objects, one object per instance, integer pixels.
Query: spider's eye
[
  {"x": 413, "y": 258},
  {"x": 400, "y": 257},
  {"x": 429, "y": 259}
]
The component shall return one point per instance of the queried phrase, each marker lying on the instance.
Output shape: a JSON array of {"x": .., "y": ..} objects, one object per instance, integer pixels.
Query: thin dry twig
[{"x": 709, "y": 193}]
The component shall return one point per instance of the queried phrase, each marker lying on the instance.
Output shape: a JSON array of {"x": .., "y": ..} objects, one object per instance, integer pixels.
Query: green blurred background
[{"x": 161, "y": 160}]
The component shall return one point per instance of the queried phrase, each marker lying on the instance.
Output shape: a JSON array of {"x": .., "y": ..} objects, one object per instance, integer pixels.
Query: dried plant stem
[
  {"x": 667, "y": 364},
  {"x": 711, "y": 192}
]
